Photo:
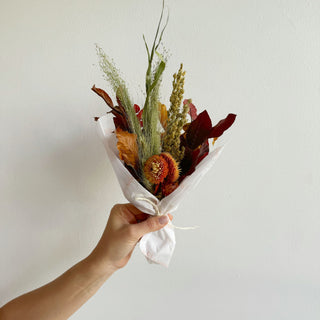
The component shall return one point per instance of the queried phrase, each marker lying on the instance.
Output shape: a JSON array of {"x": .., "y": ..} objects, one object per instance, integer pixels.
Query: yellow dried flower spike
[{"x": 176, "y": 118}]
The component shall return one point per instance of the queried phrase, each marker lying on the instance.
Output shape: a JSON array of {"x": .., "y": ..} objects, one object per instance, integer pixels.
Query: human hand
[{"x": 125, "y": 227}]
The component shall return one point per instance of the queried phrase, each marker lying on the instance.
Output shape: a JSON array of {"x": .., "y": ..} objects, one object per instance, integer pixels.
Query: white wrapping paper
[{"x": 157, "y": 246}]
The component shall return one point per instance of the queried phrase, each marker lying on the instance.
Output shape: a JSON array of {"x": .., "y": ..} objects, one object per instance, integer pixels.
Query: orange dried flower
[
  {"x": 156, "y": 169},
  {"x": 173, "y": 173}
]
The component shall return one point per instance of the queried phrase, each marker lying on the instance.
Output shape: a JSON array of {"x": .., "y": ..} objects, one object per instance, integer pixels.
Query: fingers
[
  {"x": 132, "y": 214},
  {"x": 140, "y": 222},
  {"x": 153, "y": 223},
  {"x": 129, "y": 213},
  {"x": 135, "y": 211}
]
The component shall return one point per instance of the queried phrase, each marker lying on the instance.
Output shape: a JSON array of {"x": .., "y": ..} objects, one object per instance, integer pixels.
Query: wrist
[{"x": 101, "y": 265}]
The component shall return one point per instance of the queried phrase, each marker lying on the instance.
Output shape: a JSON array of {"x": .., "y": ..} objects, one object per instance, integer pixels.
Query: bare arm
[{"x": 60, "y": 298}]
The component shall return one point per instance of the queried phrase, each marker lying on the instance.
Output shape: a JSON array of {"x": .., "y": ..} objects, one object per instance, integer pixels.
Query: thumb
[{"x": 151, "y": 224}]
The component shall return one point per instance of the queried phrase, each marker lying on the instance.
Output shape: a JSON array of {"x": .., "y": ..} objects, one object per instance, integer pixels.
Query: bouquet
[{"x": 157, "y": 153}]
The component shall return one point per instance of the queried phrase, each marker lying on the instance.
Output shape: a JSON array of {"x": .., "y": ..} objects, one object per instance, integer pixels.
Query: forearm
[{"x": 60, "y": 298}]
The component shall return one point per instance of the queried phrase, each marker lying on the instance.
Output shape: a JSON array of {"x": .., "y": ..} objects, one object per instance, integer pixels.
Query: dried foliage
[{"x": 159, "y": 147}]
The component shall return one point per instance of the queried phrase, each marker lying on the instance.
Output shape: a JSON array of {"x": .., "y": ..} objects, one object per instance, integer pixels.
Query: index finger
[{"x": 139, "y": 215}]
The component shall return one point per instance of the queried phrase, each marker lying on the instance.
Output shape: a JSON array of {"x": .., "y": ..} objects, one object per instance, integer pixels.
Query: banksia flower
[
  {"x": 173, "y": 169},
  {"x": 156, "y": 169}
]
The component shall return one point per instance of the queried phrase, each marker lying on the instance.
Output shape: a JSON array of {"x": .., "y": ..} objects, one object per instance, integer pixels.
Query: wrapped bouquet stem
[{"x": 157, "y": 154}]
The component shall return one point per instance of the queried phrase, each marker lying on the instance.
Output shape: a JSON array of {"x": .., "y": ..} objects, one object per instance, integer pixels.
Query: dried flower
[
  {"x": 150, "y": 140},
  {"x": 156, "y": 169},
  {"x": 173, "y": 169},
  {"x": 176, "y": 119}
]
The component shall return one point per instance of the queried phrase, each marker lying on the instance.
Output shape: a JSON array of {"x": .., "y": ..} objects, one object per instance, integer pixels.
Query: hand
[{"x": 125, "y": 227}]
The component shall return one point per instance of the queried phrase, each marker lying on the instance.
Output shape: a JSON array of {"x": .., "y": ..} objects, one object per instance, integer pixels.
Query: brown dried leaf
[
  {"x": 128, "y": 147},
  {"x": 103, "y": 95}
]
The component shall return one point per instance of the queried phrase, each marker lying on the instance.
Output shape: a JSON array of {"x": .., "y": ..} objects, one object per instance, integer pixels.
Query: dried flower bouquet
[{"x": 160, "y": 147}]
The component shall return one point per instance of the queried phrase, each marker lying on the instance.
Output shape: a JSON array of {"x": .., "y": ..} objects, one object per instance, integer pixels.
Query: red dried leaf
[
  {"x": 138, "y": 113},
  {"x": 103, "y": 95},
  {"x": 187, "y": 165},
  {"x": 195, "y": 140},
  {"x": 201, "y": 129},
  {"x": 192, "y": 158},
  {"x": 120, "y": 122},
  {"x": 203, "y": 152},
  {"x": 136, "y": 108},
  {"x": 222, "y": 126},
  {"x": 192, "y": 109},
  {"x": 198, "y": 130}
]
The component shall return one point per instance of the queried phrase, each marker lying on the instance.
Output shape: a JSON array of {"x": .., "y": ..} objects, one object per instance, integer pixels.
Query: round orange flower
[
  {"x": 156, "y": 169},
  {"x": 173, "y": 168}
]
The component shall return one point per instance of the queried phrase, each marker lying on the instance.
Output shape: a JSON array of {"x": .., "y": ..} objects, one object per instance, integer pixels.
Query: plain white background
[{"x": 256, "y": 255}]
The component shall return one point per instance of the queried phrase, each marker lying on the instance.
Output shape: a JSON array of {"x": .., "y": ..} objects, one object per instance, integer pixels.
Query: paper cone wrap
[{"x": 157, "y": 246}]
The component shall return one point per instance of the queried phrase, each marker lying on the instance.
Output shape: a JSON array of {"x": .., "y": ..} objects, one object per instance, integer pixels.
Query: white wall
[{"x": 256, "y": 255}]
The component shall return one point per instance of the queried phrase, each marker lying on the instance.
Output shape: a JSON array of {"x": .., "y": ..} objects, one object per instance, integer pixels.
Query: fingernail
[{"x": 163, "y": 219}]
